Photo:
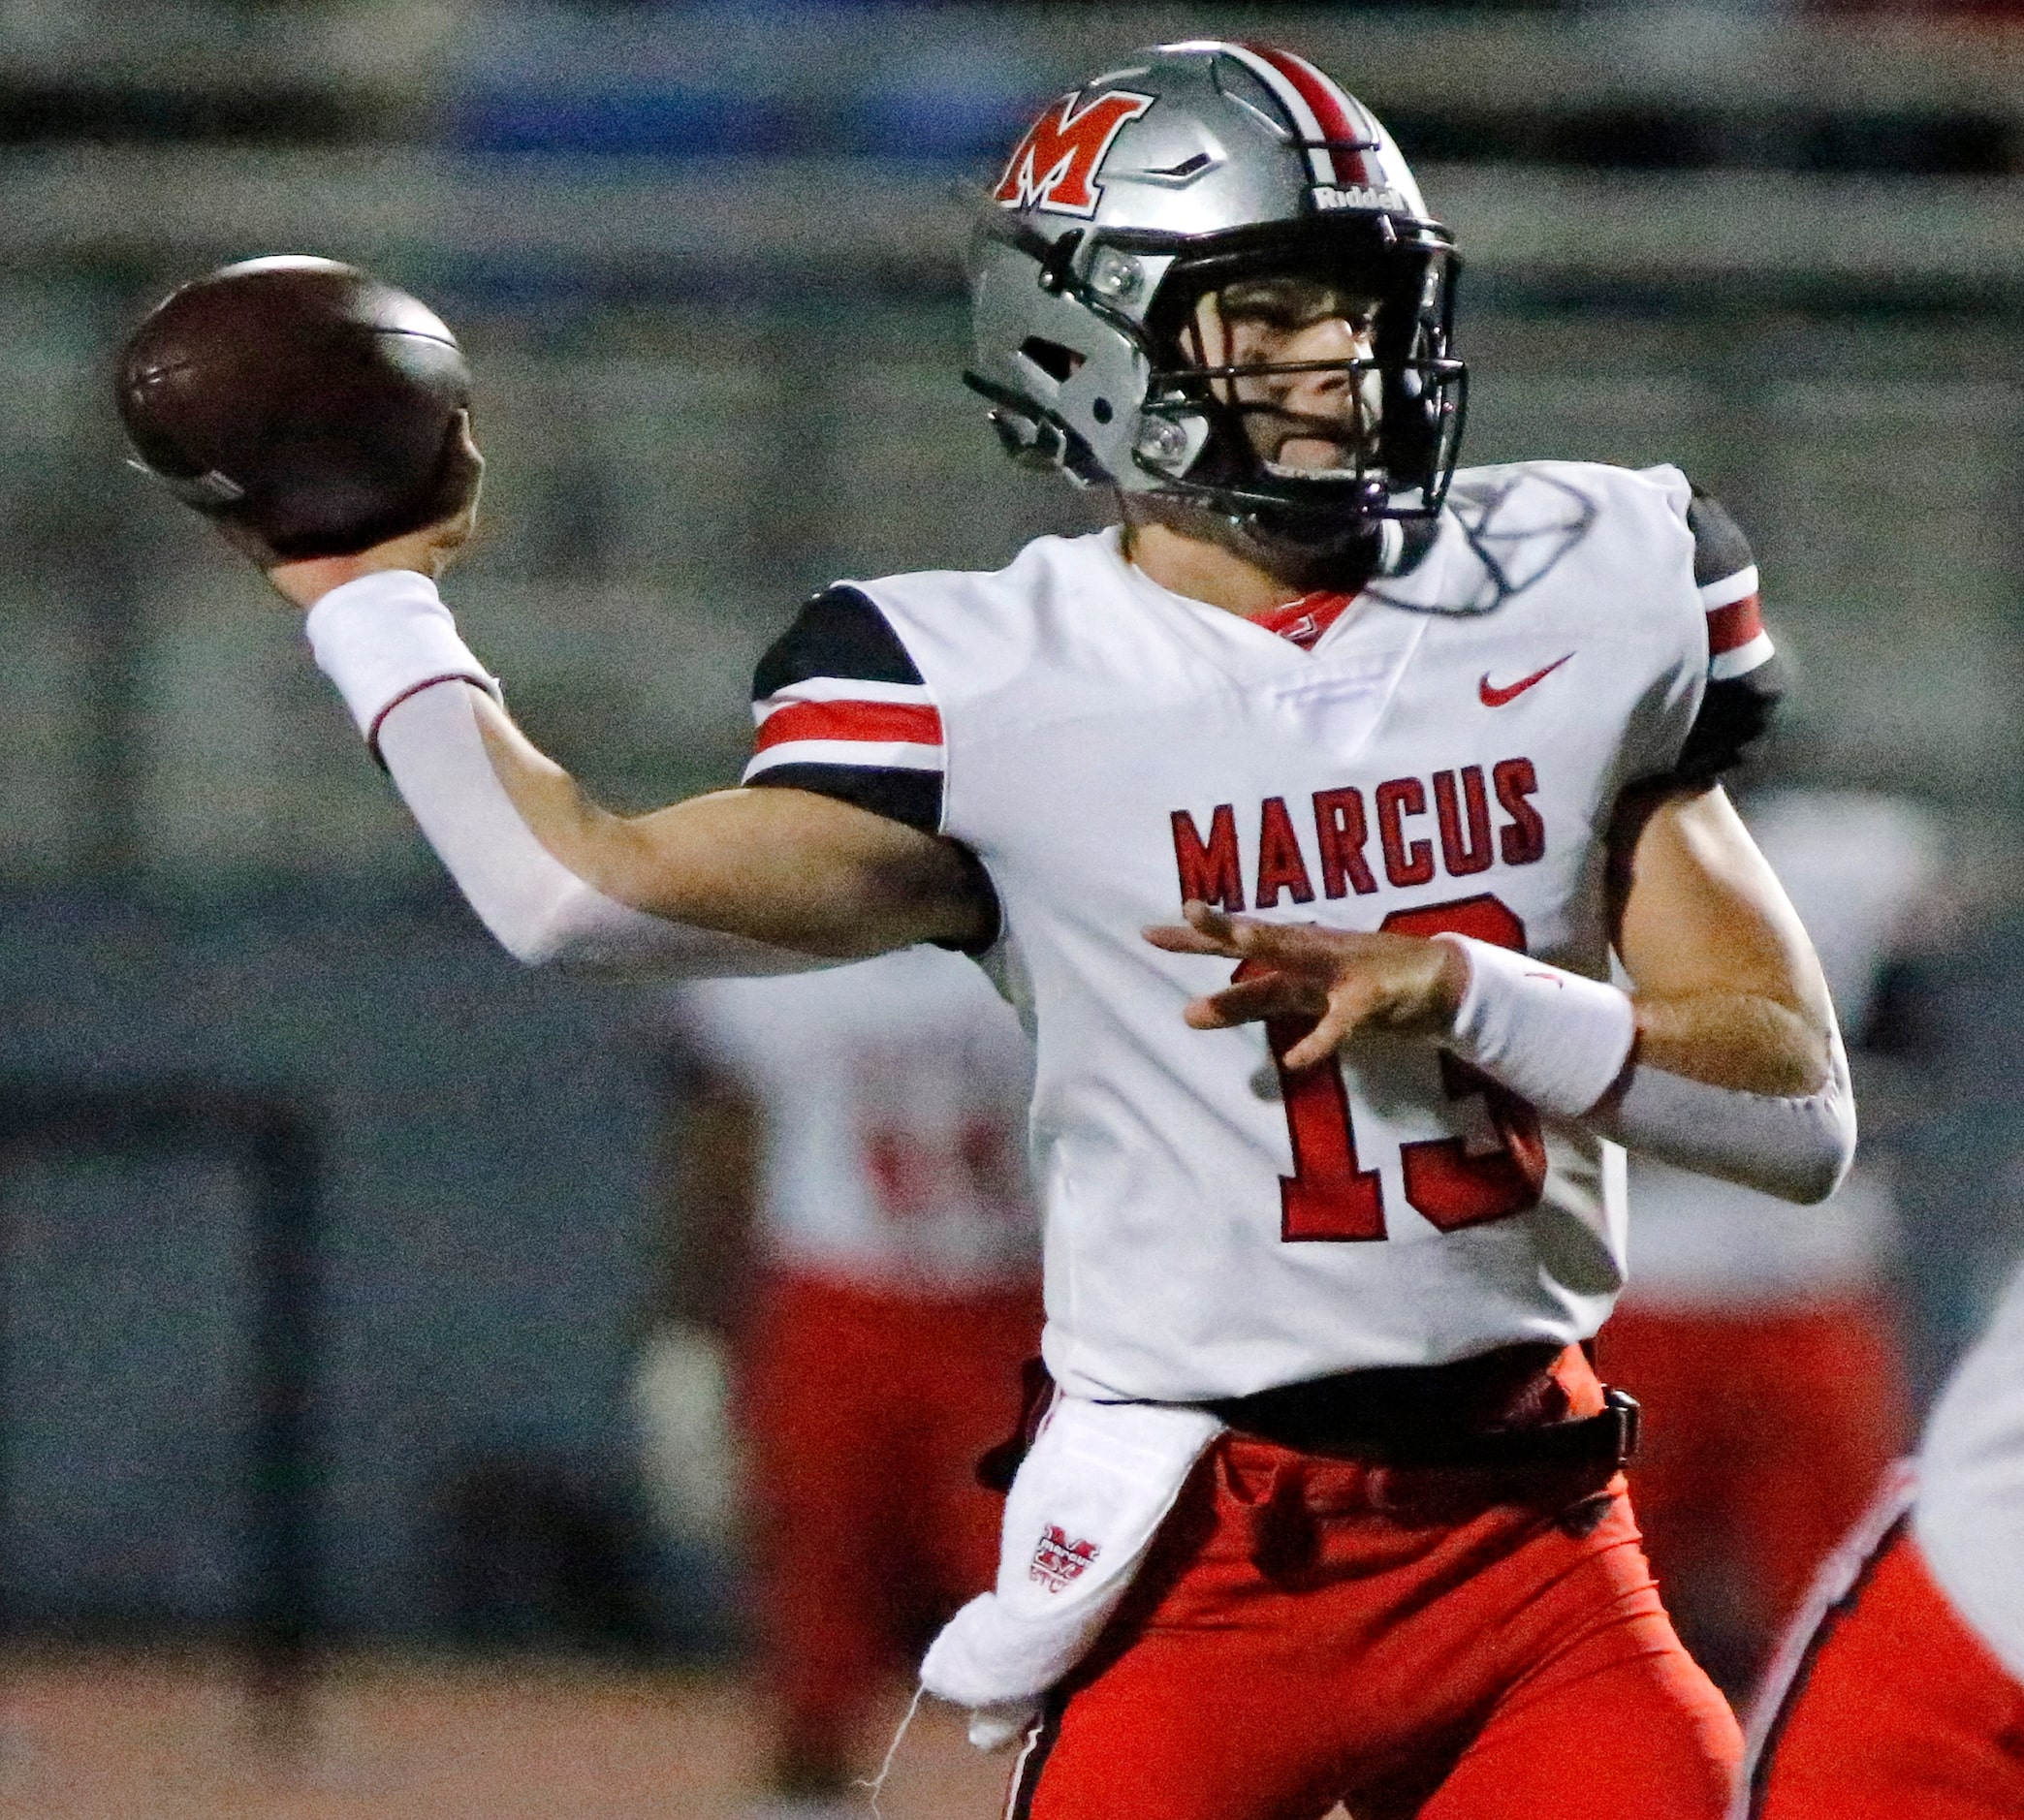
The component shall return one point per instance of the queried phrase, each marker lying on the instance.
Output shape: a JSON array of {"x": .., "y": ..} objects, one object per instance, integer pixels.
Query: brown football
[{"x": 310, "y": 407}]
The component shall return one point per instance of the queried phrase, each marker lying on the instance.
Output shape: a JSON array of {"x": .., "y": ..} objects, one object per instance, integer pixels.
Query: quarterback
[{"x": 1300, "y": 814}]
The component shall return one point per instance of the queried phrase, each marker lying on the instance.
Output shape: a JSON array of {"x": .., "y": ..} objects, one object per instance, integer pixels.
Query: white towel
[{"x": 1079, "y": 1519}]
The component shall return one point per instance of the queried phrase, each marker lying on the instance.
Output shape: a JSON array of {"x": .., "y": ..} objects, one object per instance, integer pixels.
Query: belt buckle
[{"x": 1630, "y": 1423}]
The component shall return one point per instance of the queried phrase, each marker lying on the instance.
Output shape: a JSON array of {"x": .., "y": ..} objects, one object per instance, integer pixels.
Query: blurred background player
[
  {"x": 1740, "y": 1304},
  {"x": 857, "y": 1232},
  {"x": 1899, "y": 1689}
]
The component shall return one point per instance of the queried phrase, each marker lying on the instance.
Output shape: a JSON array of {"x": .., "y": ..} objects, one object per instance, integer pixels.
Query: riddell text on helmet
[
  {"x": 1356, "y": 196},
  {"x": 1462, "y": 841}
]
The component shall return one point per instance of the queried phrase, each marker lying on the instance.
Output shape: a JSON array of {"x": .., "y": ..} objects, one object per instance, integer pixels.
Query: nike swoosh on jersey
[{"x": 1495, "y": 698}]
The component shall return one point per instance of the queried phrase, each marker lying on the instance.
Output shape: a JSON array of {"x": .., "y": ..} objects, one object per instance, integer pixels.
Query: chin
[
  {"x": 1336, "y": 572},
  {"x": 1344, "y": 569}
]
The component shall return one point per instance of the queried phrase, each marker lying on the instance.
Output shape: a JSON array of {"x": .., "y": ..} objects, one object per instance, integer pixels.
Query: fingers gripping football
[
  {"x": 428, "y": 549},
  {"x": 1347, "y": 981}
]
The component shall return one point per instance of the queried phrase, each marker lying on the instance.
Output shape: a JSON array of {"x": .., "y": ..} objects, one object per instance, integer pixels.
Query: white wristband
[
  {"x": 382, "y": 638},
  {"x": 1554, "y": 1038}
]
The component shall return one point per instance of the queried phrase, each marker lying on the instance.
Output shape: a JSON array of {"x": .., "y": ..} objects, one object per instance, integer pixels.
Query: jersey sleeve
[
  {"x": 1745, "y": 680},
  {"x": 843, "y": 710}
]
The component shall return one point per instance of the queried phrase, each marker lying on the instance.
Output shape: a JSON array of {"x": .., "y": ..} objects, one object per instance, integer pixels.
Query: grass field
[{"x": 104, "y": 1737}]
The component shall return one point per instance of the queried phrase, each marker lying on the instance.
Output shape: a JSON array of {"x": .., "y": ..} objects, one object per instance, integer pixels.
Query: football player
[
  {"x": 1899, "y": 1688},
  {"x": 1326, "y": 1504}
]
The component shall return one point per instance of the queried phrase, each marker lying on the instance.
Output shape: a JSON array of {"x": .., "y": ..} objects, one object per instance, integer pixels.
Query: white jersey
[
  {"x": 1440, "y": 752},
  {"x": 1855, "y": 867},
  {"x": 1968, "y": 1511},
  {"x": 894, "y": 1094}
]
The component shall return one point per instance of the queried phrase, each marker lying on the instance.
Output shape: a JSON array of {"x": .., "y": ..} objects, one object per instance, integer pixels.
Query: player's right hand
[
  {"x": 428, "y": 550},
  {"x": 1345, "y": 980}
]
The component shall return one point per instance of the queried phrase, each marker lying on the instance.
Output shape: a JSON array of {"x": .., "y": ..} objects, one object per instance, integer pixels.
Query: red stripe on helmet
[
  {"x": 883, "y": 723},
  {"x": 1331, "y": 107}
]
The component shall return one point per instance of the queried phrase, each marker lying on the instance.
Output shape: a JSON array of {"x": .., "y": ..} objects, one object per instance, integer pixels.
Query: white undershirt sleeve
[
  {"x": 540, "y": 911},
  {"x": 1798, "y": 1148},
  {"x": 392, "y": 649}
]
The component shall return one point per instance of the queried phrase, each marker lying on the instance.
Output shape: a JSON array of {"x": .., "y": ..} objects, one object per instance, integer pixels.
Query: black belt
[{"x": 1437, "y": 1416}]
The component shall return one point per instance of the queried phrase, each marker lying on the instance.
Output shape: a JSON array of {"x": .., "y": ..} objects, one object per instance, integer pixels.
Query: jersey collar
[{"x": 1302, "y": 621}]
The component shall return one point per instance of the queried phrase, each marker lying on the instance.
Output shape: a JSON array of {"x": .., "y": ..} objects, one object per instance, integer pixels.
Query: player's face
[{"x": 1314, "y": 423}]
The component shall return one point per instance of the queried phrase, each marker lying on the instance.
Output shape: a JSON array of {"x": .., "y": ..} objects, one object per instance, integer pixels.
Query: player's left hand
[{"x": 1347, "y": 980}]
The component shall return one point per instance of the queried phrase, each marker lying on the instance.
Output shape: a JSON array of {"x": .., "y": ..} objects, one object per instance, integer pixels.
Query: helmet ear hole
[{"x": 1059, "y": 363}]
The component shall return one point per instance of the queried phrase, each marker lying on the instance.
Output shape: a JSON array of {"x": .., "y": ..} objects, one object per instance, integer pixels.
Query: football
[{"x": 310, "y": 408}]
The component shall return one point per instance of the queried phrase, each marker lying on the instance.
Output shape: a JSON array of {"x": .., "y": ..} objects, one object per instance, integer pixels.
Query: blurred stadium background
[{"x": 707, "y": 264}]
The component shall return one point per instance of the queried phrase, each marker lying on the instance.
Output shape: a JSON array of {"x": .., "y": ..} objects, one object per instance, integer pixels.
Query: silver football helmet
[{"x": 1150, "y": 188}]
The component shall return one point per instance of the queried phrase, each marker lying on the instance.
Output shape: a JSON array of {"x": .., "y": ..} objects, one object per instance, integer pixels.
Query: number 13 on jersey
[{"x": 1331, "y": 1196}]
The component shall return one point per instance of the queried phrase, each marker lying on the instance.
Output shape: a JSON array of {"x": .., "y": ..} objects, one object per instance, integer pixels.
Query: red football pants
[
  {"x": 1897, "y": 1711},
  {"x": 864, "y": 1413},
  {"x": 1507, "y": 1663},
  {"x": 1764, "y": 1438}
]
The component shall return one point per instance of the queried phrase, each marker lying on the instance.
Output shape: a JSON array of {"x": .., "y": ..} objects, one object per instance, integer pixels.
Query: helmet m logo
[{"x": 1056, "y": 162}]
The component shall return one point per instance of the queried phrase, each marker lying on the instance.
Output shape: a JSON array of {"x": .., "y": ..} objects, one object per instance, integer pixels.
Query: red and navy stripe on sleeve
[
  {"x": 843, "y": 710},
  {"x": 1737, "y": 642},
  {"x": 1745, "y": 683},
  {"x": 1725, "y": 573}
]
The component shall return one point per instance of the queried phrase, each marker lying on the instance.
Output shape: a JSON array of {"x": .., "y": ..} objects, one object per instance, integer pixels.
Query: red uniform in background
[
  {"x": 1898, "y": 1691},
  {"x": 895, "y": 1296}
]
